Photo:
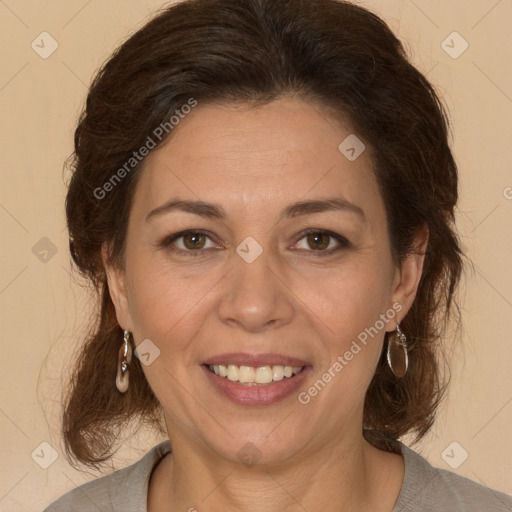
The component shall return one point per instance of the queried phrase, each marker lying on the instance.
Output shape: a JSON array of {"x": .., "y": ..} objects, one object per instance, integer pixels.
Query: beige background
[{"x": 43, "y": 312}]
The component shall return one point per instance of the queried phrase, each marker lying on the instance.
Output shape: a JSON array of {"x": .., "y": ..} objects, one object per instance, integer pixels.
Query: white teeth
[
  {"x": 249, "y": 375},
  {"x": 246, "y": 374},
  {"x": 278, "y": 372},
  {"x": 232, "y": 372},
  {"x": 263, "y": 375}
]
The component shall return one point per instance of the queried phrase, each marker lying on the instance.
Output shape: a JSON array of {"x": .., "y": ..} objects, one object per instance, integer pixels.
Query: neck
[{"x": 356, "y": 476}]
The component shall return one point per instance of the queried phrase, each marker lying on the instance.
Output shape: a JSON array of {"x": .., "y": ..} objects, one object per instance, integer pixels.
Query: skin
[{"x": 254, "y": 162}]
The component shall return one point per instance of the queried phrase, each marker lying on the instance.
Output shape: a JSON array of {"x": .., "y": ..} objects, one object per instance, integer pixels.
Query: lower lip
[{"x": 264, "y": 394}]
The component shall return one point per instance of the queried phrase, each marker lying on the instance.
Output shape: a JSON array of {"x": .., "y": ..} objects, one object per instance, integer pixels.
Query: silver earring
[
  {"x": 398, "y": 359},
  {"x": 123, "y": 363}
]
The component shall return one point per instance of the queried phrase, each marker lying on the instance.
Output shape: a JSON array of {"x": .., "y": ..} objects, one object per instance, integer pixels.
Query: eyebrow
[{"x": 215, "y": 211}]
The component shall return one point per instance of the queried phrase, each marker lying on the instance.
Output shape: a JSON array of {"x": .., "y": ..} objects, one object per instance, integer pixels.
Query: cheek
[
  {"x": 350, "y": 298},
  {"x": 159, "y": 299},
  {"x": 350, "y": 308},
  {"x": 349, "y": 305}
]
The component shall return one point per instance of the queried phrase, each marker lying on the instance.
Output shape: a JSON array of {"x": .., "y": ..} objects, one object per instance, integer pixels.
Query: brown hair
[{"x": 329, "y": 51}]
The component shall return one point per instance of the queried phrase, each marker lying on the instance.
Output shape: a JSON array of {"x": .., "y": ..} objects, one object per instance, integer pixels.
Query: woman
[{"x": 263, "y": 195}]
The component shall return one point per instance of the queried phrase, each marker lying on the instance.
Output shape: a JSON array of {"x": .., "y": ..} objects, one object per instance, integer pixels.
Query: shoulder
[
  {"x": 428, "y": 489},
  {"x": 125, "y": 489}
]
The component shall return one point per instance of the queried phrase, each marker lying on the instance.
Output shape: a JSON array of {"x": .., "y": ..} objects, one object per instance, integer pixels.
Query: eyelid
[
  {"x": 343, "y": 242},
  {"x": 168, "y": 241}
]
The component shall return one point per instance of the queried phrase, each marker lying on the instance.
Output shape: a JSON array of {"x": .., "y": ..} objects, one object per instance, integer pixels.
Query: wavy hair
[{"x": 329, "y": 51}]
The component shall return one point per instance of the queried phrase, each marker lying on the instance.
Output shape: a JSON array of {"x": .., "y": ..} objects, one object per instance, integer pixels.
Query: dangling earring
[
  {"x": 124, "y": 360},
  {"x": 398, "y": 359}
]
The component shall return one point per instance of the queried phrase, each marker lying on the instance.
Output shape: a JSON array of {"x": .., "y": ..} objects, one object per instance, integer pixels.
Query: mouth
[
  {"x": 254, "y": 376},
  {"x": 255, "y": 380}
]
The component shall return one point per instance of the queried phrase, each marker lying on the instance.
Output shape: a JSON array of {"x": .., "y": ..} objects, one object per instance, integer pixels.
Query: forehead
[{"x": 259, "y": 157}]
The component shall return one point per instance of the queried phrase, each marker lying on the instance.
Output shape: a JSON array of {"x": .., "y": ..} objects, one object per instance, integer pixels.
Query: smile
[{"x": 252, "y": 376}]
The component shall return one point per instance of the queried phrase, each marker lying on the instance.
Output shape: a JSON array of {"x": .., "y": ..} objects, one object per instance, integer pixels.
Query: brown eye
[
  {"x": 194, "y": 241},
  {"x": 322, "y": 242},
  {"x": 188, "y": 243},
  {"x": 318, "y": 241}
]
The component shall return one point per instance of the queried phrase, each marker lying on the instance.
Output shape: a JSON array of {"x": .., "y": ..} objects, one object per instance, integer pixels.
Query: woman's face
[{"x": 287, "y": 263}]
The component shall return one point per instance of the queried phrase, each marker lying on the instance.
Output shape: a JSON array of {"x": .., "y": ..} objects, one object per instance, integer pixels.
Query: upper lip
[{"x": 246, "y": 359}]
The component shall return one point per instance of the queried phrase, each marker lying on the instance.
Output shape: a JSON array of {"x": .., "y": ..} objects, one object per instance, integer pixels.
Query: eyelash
[{"x": 166, "y": 243}]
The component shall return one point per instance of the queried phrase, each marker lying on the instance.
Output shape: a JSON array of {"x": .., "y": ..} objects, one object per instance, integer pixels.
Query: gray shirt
[{"x": 424, "y": 489}]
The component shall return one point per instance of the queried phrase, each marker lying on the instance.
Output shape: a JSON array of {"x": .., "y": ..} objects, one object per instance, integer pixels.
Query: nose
[{"x": 256, "y": 296}]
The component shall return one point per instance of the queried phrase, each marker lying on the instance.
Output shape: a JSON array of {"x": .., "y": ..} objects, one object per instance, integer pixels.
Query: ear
[
  {"x": 116, "y": 280},
  {"x": 408, "y": 275}
]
